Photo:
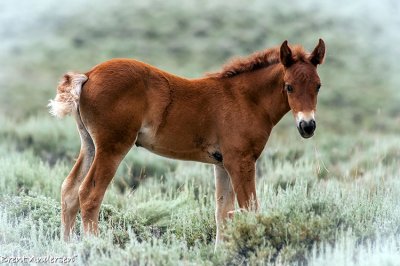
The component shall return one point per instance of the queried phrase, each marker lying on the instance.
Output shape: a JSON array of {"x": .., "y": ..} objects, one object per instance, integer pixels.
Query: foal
[{"x": 223, "y": 119}]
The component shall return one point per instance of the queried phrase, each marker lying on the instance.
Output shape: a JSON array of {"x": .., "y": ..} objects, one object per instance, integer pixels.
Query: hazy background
[{"x": 41, "y": 40}]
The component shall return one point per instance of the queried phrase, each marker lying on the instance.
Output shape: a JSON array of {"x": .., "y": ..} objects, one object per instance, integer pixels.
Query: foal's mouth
[{"x": 304, "y": 134}]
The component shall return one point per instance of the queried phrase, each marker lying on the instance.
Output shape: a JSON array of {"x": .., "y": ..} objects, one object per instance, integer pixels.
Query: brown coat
[{"x": 224, "y": 119}]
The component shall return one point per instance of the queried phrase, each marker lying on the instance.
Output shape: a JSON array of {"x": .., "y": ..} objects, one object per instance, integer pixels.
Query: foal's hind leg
[
  {"x": 70, "y": 186},
  {"x": 224, "y": 197},
  {"x": 109, "y": 154}
]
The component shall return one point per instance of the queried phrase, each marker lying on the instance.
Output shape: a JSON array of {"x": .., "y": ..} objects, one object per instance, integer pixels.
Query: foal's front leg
[
  {"x": 242, "y": 172},
  {"x": 224, "y": 199}
]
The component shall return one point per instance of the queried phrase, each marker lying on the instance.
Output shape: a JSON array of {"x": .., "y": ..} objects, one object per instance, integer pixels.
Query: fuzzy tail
[{"x": 68, "y": 93}]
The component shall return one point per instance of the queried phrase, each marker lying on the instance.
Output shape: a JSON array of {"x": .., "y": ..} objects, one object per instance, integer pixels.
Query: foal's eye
[
  {"x": 318, "y": 87},
  {"x": 289, "y": 88}
]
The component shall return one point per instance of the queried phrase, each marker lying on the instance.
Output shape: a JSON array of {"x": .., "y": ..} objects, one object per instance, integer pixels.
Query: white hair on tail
[{"x": 68, "y": 93}]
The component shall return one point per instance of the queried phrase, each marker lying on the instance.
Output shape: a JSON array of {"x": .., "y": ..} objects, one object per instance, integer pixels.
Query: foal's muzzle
[{"x": 307, "y": 128}]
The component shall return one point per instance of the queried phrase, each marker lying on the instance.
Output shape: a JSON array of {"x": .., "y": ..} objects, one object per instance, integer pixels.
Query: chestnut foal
[{"x": 223, "y": 119}]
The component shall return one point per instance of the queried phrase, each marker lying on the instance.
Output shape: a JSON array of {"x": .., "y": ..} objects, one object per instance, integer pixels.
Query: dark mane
[{"x": 257, "y": 60}]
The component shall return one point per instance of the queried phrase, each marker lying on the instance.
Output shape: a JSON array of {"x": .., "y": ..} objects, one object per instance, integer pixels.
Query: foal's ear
[
  {"x": 317, "y": 56},
  {"x": 286, "y": 55}
]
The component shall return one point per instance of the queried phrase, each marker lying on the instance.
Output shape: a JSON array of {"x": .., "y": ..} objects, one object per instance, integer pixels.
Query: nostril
[
  {"x": 307, "y": 127},
  {"x": 301, "y": 125}
]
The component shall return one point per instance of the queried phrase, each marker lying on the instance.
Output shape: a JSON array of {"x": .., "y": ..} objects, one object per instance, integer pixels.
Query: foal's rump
[
  {"x": 108, "y": 76},
  {"x": 109, "y": 101}
]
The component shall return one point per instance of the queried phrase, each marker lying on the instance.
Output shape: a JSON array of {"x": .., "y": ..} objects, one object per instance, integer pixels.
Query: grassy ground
[
  {"x": 318, "y": 205},
  {"x": 331, "y": 200}
]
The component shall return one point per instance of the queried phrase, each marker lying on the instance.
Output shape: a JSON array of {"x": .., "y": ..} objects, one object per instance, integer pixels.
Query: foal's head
[{"x": 302, "y": 84}]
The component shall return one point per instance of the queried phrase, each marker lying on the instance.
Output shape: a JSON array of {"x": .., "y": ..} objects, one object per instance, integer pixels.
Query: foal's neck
[{"x": 264, "y": 87}]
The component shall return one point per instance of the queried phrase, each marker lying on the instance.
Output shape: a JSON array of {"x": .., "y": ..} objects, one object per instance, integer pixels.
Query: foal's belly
[{"x": 180, "y": 147}]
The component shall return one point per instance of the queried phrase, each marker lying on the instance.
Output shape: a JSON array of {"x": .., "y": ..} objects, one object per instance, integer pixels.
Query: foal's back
[{"x": 172, "y": 116}]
